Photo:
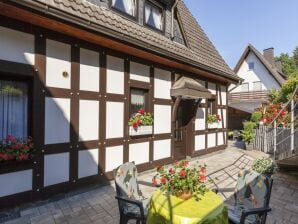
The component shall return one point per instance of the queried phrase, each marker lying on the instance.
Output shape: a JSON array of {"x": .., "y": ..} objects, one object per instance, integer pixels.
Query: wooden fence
[{"x": 264, "y": 141}]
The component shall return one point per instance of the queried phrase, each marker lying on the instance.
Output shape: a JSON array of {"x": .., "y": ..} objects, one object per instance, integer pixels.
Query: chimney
[{"x": 269, "y": 55}]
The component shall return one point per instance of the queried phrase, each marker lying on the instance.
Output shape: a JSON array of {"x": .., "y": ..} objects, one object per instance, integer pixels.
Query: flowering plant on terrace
[
  {"x": 12, "y": 148},
  {"x": 181, "y": 179},
  {"x": 141, "y": 118},
  {"x": 213, "y": 118}
]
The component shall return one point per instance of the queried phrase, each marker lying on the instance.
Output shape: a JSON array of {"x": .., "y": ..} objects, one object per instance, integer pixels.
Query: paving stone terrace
[{"x": 97, "y": 204}]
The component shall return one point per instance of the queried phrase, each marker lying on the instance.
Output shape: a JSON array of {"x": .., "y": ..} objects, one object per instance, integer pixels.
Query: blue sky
[{"x": 232, "y": 24}]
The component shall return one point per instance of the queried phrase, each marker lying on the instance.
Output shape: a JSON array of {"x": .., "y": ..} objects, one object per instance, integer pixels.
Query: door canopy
[{"x": 188, "y": 88}]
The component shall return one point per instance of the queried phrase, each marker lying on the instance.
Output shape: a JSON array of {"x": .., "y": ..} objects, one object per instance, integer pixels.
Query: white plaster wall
[
  {"x": 115, "y": 75},
  {"x": 56, "y": 168},
  {"x": 212, "y": 87},
  {"x": 139, "y": 72},
  {"x": 162, "y": 149},
  {"x": 88, "y": 120},
  {"x": 16, "y": 46},
  {"x": 139, "y": 153},
  {"x": 162, "y": 84},
  {"x": 200, "y": 119},
  {"x": 200, "y": 142},
  {"x": 57, "y": 120},
  {"x": 224, "y": 112},
  {"x": 220, "y": 138},
  {"x": 88, "y": 163},
  {"x": 211, "y": 140},
  {"x": 89, "y": 70},
  {"x": 16, "y": 182},
  {"x": 114, "y": 120},
  {"x": 162, "y": 119},
  {"x": 220, "y": 123},
  {"x": 57, "y": 62},
  {"x": 223, "y": 95},
  {"x": 260, "y": 73},
  {"x": 114, "y": 157}
]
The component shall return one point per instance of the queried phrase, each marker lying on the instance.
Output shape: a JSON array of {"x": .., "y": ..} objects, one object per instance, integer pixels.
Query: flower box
[
  {"x": 141, "y": 130},
  {"x": 213, "y": 125}
]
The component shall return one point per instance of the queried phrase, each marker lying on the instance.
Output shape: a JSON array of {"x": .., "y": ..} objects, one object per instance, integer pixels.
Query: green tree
[{"x": 290, "y": 68}]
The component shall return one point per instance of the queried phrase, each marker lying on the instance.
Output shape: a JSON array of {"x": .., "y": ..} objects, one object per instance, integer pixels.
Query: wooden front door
[{"x": 182, "y": 130}]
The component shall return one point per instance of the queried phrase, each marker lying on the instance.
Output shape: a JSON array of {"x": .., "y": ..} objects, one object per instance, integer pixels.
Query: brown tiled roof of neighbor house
[
  {"x": 273, "y": 70},
  {"x": 201, "y": 52}
]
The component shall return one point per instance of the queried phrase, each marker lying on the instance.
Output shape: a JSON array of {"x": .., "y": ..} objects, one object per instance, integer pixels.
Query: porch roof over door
[{"x": 189, "y": 88}]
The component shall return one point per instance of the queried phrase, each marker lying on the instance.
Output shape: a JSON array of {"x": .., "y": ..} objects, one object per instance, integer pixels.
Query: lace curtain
[
  {"x": 127, "y": 6},
  {"x": 137, "y": 100},
  {"x": 13, "y": 109},
  {"x": 153, "y": 16}
]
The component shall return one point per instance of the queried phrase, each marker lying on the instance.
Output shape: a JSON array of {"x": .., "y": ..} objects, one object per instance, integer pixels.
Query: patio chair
[
  {"x": 252, "y": 198},
  {"x": 132, "y": 204}
]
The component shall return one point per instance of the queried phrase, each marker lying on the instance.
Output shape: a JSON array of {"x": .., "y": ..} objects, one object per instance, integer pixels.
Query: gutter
[{"x": 89, "y": 25}]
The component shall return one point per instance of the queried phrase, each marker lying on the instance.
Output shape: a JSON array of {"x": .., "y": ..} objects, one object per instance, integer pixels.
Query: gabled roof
[
  {"x": 273, "y": 70},
  {"x": 201, "y": 53}
]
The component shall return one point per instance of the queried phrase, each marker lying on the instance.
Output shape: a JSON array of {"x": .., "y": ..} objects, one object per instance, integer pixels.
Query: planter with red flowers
[
  {"x": 213, "y": 120},
  {"x": 140, "y": 123},
  {"x": 13, "y": 150},
  {"x": 181, "y": 180}
]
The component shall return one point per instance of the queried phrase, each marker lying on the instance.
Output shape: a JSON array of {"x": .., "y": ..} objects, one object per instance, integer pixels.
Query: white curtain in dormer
[
  {"x": 127, "y": 6},
  {"x": 153, "y": 16}
]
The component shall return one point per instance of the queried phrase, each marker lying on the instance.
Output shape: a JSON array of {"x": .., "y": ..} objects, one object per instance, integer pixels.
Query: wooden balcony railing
[{"x": 253, "y": 96}]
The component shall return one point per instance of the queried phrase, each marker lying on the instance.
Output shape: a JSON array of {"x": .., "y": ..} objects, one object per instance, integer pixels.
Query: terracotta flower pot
[{"x": 185, "y": 195}]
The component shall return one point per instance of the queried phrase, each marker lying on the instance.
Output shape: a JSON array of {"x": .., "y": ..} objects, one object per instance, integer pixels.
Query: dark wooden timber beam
[{"x": 23, "y": 15}]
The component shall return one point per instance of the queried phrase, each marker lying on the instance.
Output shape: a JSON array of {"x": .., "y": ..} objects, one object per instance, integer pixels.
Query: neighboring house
[
  {"x": 82, "y": 68},
  {"x": 259, "y": 73}
]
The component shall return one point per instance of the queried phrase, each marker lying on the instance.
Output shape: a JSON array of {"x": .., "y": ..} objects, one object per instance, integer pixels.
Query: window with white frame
[
  {"x": 14, "y": 109},
  {"x": 126, "y": 6},
  {"x": 257, "y": 86},
  {"x": 153, "y": 15}
]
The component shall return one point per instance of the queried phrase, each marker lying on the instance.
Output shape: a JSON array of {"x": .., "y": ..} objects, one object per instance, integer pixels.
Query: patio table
[{"x": 168, "y": 209}]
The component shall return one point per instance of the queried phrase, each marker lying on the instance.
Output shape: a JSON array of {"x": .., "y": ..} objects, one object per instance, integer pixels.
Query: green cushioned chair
[
  {"x": 132, "y": 204},
  {"x": 252, "y": 198}
]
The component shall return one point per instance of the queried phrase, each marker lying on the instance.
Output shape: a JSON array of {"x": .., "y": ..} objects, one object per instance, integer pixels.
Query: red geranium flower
[
  {"x": 24, "y": 156},
  {"x": 175, "y": 162},
  {"x": 135, "y": 125},
  {"x": 184, "y": 163},
  {"x": 141, "y": 111},
  {"x": 163, "y": 180},
  {"x": 203, "y": 169},
  {"x": 171, "y": 171},
  {"x": 218, "y": 117},
  {"x": 182, "y": 173},
  {"x": 202, "y": 177}
]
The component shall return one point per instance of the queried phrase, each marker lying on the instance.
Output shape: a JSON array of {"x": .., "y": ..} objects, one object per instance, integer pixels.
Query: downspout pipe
[{"x": 172, "y": 12}]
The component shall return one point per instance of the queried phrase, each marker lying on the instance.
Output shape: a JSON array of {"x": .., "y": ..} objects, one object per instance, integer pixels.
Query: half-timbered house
[{"x": 76, "y": 71}]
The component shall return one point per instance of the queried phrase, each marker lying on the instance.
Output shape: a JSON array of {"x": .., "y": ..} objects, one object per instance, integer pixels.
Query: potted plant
[
  {"x": 247, "y": 134},
  {"x": 140, "y": 123},
  {"x": 265, "y": 166},
  {"x": 181, "y": 180},
  {"x": 13, "y": 149},
  {"x": 213, "y": 120}
]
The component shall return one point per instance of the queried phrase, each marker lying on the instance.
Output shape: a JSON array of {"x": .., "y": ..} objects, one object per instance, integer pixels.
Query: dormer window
[
  {"x": 126, "y": 6},
  {"x": 153, "y": 15}
]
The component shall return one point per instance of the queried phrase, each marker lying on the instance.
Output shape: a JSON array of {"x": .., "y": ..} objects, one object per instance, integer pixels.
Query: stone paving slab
[{"x": 98, "y": 205}]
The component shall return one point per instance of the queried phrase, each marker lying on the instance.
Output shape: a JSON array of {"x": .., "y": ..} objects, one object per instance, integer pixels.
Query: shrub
[
  {"x": 264, "y": 166},
  {"x": 247, "y": 133},
  {"x": 256, "y": 116}
]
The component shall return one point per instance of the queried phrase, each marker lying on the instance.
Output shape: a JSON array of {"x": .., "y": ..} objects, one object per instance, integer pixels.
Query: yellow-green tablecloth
[{"x": 167, "y": 209}]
